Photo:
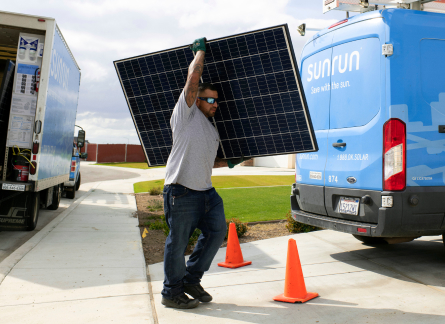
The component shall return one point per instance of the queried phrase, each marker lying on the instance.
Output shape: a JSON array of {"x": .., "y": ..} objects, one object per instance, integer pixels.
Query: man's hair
[{"x": 204, "y": 86}]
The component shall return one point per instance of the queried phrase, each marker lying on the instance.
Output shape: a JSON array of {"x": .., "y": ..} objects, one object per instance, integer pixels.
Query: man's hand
[
  {"x": 199, "y": 45},
  {"x": 232, "y": 162}
]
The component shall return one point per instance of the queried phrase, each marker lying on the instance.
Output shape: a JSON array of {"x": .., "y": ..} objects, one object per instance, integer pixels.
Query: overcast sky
[{"x": 101, "y": 31}]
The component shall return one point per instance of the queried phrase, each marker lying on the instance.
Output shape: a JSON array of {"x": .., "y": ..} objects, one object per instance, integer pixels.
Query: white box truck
[{"x": 38, "y": 105}]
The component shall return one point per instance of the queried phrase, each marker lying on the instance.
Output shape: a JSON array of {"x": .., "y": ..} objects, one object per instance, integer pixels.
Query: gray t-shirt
[{"x": 195, "y": 143}]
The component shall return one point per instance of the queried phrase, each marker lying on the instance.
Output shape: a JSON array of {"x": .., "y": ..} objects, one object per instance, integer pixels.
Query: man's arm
[{"x": 194, "y": 75}]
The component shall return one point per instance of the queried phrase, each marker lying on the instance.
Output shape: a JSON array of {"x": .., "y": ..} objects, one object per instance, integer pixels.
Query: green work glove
[
  {"x": 199, "y": 45},
  {"x": 232, "y": 162}
]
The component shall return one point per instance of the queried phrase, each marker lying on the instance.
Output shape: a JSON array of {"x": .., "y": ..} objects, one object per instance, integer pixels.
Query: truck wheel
[
  {"x": 78, "y": 183},
  {"x": 71, "y": 193},
  {"x": 370, "y": 240},
  {"x": 33, "y": 207},
  {"x": 57, "y": 194}
]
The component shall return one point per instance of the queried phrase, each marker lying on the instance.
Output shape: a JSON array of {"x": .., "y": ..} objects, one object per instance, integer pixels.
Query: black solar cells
[{"x": 261, "y": 112}]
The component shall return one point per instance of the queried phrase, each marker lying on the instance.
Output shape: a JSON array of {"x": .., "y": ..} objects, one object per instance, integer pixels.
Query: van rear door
[
  {"x": 315, "y": 69},
  {"x": 356, "y": 119}
]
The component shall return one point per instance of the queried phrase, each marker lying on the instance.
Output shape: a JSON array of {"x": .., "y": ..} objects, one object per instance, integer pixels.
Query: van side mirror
[
  {"x": 81, "y": 138},
  {"x": 84, "y": 155}
]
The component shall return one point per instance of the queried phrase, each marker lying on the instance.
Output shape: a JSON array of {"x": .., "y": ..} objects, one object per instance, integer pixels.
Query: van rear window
[{"x": 355, "y": 83}]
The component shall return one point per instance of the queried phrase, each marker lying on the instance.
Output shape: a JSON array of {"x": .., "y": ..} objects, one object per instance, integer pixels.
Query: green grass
[
  {"x": 146, "y": 186},
  {"x": 228, "y": 182},
  {"x": 258, "y": 203},
  {"x": 135, "y": 165}
]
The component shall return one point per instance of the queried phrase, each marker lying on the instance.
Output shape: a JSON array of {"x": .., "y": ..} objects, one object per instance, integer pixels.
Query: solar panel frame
[{"x": 159, "y": 120}]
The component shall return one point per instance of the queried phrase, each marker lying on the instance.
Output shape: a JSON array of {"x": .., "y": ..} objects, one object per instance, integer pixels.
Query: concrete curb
[
  {"x": 9, "y": 263},
  {"x": 268, "y": 222}
]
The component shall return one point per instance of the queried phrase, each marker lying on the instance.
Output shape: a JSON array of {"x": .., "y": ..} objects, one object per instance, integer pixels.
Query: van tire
[
  {"x": 33, "y": 210},
  {"x": 78, "y": 183},
  {"x": 57, "y": 194},
  {"x": 71, "y": 194},
  {"x": 368, "y": 240}
]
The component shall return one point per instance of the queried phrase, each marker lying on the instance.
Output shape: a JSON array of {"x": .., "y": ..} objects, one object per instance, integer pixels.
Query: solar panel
[{"x": 262, "y": 109}]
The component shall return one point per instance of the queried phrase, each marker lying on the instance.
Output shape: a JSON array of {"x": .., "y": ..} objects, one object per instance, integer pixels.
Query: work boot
[
  {"x": 196, "y": 291},
  {"x": 180, "y": 301}
]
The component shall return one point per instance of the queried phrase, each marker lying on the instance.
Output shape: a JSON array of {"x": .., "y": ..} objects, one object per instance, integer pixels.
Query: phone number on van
[{"x": 352, "y": 157}]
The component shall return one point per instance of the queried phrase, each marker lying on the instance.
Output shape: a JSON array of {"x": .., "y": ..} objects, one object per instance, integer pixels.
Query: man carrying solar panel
[{"x": 190, "y": 201}]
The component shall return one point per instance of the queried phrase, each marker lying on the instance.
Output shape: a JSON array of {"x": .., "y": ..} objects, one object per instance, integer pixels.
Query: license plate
[
  {"x": 349, "y": 205},
  {"x": 14, "y": 187}
]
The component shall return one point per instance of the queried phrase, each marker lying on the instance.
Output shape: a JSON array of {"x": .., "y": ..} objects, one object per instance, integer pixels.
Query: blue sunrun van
[{"x": 375, "y": 88}]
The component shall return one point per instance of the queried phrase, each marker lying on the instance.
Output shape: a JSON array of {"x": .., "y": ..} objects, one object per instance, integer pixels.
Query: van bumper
[{"x": 404, "y": 219}]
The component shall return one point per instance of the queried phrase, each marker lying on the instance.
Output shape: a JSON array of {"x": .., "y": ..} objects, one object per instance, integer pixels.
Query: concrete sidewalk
[
  {"x": 401, "y": 283},
  {"x": 86, "y": 266}
]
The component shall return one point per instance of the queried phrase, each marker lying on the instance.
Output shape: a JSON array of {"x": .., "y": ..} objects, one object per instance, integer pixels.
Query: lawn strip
[
  {"x": 220, "y": 182},
  {"x": 256, "y": 204},
  {"x": 134, "y": 165}
]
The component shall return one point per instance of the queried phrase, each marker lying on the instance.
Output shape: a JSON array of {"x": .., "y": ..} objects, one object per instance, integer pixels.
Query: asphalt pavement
[
  {"x": 97, "y": 173},
  {"x": 87, "y": 266}
]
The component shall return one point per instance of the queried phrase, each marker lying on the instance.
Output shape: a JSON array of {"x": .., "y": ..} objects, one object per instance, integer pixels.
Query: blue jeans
[{"x": 185, "y": 210}]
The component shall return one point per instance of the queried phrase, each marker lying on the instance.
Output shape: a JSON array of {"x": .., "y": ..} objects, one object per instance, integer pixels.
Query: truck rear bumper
[
  {"x": 69, "y": 183},
  {"x": 404, "y": 219}
]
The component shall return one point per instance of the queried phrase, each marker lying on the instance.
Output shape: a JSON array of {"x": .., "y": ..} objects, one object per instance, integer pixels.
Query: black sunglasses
[{"x": 209, "y": 100}]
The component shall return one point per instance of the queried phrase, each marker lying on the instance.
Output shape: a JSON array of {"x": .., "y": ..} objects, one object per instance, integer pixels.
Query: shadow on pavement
[
  {"x": 319, "y": 311},
  {"x": 418, "y": 261}
]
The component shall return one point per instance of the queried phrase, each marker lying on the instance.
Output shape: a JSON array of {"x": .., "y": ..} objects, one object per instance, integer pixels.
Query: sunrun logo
[
  {"x": 326, "y": 70},
  {"x": 59, "y": 70}
]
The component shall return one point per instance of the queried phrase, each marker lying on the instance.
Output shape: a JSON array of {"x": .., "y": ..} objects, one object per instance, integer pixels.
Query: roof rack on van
[{"x": 370, "y": 5}]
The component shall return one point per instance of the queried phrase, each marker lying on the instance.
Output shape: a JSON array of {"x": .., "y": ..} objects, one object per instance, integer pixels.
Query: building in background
[
  {"x": 103, "y": 153},
  {"x": 276, "y": 161},
  {"x": 109, "y": 153}
]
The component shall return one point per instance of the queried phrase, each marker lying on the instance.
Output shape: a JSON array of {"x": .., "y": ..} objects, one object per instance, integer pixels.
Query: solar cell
[{"x": 262, "y": 108}]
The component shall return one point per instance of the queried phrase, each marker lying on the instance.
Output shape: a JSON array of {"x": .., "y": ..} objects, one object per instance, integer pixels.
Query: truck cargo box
[{"x": 38, "y": 106}]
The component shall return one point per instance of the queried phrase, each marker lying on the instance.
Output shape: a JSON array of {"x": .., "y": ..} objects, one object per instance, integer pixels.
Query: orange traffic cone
[
  {"x": 294, "y": 287},
  {"x": 234, "y": 256}
]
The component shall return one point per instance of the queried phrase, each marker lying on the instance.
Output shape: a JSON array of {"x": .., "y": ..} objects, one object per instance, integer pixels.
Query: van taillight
[{"x": 394, "y": 155}]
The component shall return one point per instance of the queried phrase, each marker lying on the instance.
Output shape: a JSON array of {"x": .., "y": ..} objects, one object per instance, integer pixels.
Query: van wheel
[
  {"x": 33, "y": 206},
  {"x": 368, "y": 240},
  {"x": 57, "y": 194},
  {"x": 71, "y": 194},
  {"x": 78, "y": 183}
]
